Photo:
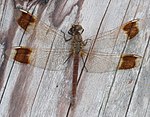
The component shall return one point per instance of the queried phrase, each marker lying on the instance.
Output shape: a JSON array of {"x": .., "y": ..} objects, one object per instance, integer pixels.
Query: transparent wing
[
  {"x": 102, "y": 63},
  {"x": 98, "y": 63},
  {"x": 43, "y": 58},
  {"x": 107, "y": 41}
]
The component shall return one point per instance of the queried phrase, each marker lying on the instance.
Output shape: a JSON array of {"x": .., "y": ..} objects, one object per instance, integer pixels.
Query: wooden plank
[{"x": 30, "y": 91}]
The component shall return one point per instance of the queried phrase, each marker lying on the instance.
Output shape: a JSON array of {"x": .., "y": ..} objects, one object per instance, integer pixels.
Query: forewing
[{"x": 107, "y": 41}]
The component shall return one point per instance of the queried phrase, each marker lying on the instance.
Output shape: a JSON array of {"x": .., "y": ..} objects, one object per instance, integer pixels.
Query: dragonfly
[{"x": 77, "y": 49}]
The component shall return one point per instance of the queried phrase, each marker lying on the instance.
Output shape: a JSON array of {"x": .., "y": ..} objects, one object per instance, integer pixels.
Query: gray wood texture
[{"x": 28, "y": 91}]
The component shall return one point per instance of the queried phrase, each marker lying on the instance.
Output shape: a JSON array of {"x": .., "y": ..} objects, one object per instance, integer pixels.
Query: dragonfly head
[{"x": 76, "y": 29}]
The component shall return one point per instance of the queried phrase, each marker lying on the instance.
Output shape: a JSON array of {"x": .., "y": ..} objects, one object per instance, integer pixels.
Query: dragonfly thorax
[{"x": 77, "y": 47}]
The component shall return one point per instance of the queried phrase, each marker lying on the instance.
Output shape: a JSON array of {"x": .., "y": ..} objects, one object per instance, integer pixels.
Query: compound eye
[{"x": 80, "y": 29}]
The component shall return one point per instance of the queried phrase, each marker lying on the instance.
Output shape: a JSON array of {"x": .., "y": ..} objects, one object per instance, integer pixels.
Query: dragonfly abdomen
[{"x": 75, "y": 76}]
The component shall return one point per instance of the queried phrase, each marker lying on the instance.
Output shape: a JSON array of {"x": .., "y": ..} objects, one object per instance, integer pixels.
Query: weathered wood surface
[{"x": 27, "y": 91}]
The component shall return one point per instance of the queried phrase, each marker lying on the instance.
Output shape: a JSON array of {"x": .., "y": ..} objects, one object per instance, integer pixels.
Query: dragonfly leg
[
  {"x": 84, "y": 63},
  {"x": 68, "y": 58},
  {"x": 86, "y": 41},
  {"x": 65, "y": 36},
  {"x": 82, "y": 31},
  {"x": 70, "y": 32}
]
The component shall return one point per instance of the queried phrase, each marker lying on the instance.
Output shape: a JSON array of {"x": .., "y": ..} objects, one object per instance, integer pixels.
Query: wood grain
[{"x": 28, "y": 91}]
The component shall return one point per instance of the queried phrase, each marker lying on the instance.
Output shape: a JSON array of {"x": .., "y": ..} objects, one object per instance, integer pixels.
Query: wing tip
[{"x": 129, "y": 61}]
